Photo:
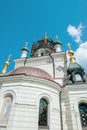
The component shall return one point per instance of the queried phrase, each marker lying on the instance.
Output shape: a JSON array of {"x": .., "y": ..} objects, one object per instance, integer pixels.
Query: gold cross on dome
[
  {"x": 45, "y": 34},
  {"x": 26, "y": 44},
  {"x": 57, "y": 38},
  {"x": 69, "y": 46},
  {"x": 9, "y": 57}
]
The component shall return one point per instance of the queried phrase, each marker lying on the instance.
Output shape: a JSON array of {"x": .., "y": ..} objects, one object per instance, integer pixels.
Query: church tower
[
  {"x": 47, "y": 55},
  {"x": 74, "y": 96},
  {"x": 41, "y": 92}
]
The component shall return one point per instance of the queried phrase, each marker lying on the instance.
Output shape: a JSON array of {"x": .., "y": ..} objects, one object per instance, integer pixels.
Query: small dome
[
  {"x": 30, "y": 71},
  {"x": 73, "y": 66}
]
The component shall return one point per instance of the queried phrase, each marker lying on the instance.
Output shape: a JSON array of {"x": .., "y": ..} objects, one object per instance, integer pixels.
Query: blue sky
[{"x": 27, "y": 20}]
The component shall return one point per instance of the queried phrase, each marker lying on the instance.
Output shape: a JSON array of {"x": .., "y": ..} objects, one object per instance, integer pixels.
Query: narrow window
[
  {"x": 43, "y": 112},
  {"x": 42, "y": 54},
  {"x": 7, "y": 102},
  {"x": 83, "y": 114}
]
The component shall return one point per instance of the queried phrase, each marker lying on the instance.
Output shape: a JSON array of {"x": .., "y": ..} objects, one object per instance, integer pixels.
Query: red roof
[{"x": 33, "y": 72}]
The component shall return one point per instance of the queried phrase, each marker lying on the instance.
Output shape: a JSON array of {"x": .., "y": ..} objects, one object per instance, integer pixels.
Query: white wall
[
  {"x": 47, "y": 64},
  {"x": 72, "y": 95},
  {"x": 25, "y": 110}
]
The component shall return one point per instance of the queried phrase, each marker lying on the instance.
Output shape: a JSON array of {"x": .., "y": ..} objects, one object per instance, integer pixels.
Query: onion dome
[
  {"x": 45, "y": 46},
  {"x": 74, "y": 66},
  {"x": 25, "y": 51},
  {"x": 32, "y": 72},
  {"x": 57, "y": 45},
  {"x": 75, "y": 71}
]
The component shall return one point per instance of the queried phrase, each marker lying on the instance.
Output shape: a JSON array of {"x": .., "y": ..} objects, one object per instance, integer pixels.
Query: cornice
[{"x": 21, "y": 79}]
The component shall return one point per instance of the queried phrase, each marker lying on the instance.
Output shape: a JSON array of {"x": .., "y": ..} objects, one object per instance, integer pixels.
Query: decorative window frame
[
  {"x": 43, "y": 100},
  {"x": 49, "y": 101},
  {"x": 83, "y": 115},
  {"x": 76, "y": 109},
  {"x": 6, "y": 94}
]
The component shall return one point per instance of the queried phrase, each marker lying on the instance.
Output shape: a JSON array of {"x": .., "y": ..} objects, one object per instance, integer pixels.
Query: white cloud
[
  {"x": 76, "y": 33},
  {"x": 81, "y": 55},
  {"x": 81, "y": 51}
]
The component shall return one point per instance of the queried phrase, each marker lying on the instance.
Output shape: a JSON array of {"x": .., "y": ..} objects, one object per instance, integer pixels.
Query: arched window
[
  {"x": 6, "y": 106},
  {"x": 43, "y": 112},
  {"x": 83, "y": 114}
]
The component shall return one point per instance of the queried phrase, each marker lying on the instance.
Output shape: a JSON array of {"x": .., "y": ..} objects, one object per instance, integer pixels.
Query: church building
[{"x": 42, "y": 92}]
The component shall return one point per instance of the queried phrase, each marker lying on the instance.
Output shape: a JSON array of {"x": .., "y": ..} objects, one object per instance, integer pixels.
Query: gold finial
[
  {"x": 6, "y": 64},
  {"x": 71, "y": 53},
  {"x": 45, "y": 37},
  {"x": 57, "y": 38}
]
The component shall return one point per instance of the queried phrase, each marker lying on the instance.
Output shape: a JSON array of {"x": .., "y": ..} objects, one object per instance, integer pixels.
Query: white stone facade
[
  {"x": 26, "y": 92},
  {"x": 54, "y": 64},
  {"x": 73, "y": 95}
]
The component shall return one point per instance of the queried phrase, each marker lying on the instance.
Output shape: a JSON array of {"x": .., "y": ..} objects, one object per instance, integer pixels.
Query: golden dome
[
  {"x": 71, "y": 52},
  {"x": 7, "y": 63}
]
